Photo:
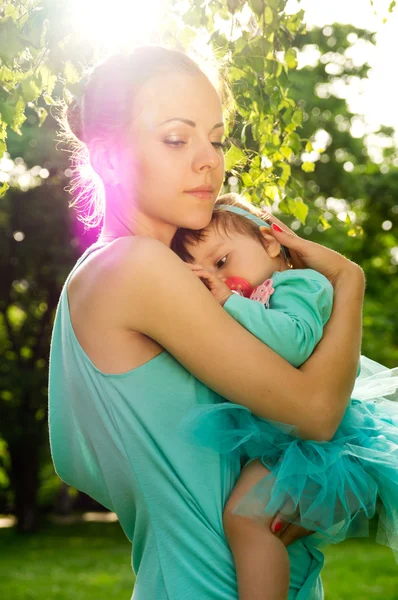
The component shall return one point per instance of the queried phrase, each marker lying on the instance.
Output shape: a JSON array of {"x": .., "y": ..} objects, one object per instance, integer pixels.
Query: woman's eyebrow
[{"x": 189, "y": 122}]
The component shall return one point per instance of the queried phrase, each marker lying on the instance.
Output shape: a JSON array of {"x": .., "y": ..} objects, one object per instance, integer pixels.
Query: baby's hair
[
  {"x": 104, "y": 110},
  {"x": 223, "y": 221}
]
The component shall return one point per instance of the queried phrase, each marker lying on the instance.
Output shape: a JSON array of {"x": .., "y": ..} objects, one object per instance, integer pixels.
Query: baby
[{"x": 327, "y": 487}]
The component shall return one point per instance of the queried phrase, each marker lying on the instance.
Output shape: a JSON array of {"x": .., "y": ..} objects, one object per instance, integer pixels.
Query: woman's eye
[
  {"x": 223, "y": 145},
  {"x": 218, "y": 145},
  {"x": 220, "y": 262},
  {"x": 175, "y": 143}
]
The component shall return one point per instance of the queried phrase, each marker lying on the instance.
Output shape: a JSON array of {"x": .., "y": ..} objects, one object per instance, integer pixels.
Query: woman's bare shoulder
[
  {"x": 131, "y": 261},
  {"x": 137, "y": 266},
  {"x": 119, "y": 268},
  {"x": 103, "y": 298},
  {"x": 140, "y": 252}
]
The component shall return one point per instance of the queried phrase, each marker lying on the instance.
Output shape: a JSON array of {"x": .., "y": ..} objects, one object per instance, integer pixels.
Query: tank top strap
[{"x": 82, "y": 258}]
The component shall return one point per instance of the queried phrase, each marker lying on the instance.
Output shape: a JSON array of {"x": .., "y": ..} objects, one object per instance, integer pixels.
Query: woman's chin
[{"x": 197, "y": 219}]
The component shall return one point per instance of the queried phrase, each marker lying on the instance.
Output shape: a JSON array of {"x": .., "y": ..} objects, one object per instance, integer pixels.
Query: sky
[{"x": 378, "y": 100}]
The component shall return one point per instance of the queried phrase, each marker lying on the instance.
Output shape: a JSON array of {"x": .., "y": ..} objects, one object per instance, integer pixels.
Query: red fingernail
[
  {"x": 277, "y": 527},
  {"x": 276, "y": 227}
]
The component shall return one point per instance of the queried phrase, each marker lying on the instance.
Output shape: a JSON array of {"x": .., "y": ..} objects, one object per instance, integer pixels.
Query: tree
[
  {"x": 352, "y": 199},
  {"x": 35, "y": 256}
]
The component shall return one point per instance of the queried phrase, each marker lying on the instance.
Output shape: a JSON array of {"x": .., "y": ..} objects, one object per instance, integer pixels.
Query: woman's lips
[{"x": 204, "y": 195}]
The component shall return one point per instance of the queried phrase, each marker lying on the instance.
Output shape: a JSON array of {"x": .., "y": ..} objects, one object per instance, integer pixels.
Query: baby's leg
[{"x": 261, "y": 559}]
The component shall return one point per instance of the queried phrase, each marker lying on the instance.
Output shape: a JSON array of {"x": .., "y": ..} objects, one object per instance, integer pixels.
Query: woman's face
[{"x": 176, "y": 135}]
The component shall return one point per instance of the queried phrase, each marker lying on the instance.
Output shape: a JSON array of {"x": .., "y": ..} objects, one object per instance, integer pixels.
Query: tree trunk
[{"x": 25, "y": 481}]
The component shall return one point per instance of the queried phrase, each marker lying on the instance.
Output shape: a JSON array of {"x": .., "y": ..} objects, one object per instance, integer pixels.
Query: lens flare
[{"x": 118, "y": 24}]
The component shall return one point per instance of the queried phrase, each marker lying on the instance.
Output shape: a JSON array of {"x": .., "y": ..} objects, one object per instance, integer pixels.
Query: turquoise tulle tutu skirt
[{"x": 332, "y": 488}]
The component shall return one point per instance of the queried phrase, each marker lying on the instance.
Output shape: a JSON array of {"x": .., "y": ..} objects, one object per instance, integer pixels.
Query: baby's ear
[{"x": 271, "y": 245}]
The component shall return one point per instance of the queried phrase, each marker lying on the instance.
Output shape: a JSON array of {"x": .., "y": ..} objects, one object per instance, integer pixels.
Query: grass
[
  {"x": 360, "y": 570},
  {"x": 91, "y": 561},
  {"x": 84, "y": 561}
]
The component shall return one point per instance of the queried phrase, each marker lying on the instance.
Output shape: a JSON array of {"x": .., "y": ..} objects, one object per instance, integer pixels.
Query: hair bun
[{"x": 74, "y": 118}]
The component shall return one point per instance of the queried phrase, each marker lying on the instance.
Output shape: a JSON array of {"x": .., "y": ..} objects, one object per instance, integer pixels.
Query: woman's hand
[
  {"x": 306, "y": 254},
  {"x": 217, "y": 286},
  {"x": 291, "y": 532},
  {"x": 288, "y": 532}
]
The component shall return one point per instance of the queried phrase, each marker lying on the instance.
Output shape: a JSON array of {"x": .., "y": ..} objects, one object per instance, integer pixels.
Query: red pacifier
[{"x": 240, "y": 285}]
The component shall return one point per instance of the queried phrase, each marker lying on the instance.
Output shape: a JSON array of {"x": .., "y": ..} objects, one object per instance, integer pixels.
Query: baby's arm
[{"x": 299, "y": 308}]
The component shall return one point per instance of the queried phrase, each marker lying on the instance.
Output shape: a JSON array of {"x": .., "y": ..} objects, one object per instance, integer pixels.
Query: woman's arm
[{"x": 164, "y": 300}]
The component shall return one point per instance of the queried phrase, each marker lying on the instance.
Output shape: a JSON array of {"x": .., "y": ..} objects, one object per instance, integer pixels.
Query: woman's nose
[{"x": 207, "y": 157}]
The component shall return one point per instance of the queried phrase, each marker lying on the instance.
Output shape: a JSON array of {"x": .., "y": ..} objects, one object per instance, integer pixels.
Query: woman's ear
[
  {"x": 271, "y": 245},
  {"x": 102, "y": 160}
]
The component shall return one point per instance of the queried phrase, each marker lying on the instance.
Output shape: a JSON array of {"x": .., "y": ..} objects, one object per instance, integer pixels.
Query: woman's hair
[
  {"x": 104, "y": 110},
  {"x": 223, "y": 221}
]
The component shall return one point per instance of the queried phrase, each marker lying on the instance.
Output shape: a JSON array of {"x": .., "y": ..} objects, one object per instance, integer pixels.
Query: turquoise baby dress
[
  {"x": 334, "y": 487},
  {"x": 116, "y": 438}
]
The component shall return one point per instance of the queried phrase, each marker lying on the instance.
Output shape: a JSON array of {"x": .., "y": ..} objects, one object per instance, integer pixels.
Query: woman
[{"x": 138, "y": 340}]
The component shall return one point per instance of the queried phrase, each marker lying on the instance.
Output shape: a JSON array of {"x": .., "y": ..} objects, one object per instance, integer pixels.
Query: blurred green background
[
  {"x": 88, "y": 561},
  {"x": 51, "y": 552}
]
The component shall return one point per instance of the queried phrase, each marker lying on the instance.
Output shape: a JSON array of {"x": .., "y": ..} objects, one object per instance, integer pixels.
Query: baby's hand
[{"x": 217, "y": 286}]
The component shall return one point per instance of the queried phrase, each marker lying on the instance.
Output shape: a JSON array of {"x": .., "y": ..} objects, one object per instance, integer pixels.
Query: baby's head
[{"x": 232, "y": 245}]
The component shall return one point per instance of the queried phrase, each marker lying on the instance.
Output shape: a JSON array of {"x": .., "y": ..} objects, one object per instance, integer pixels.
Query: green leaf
[
  {"x": 355, "y": 231},
  {"x": 392, "y": 6},
  {"x": 246, "y": 179},
  {"x": 48, "y": 79},
  {"x": 219, "y": 40},
  {"x": 286, "y": 173},
  {"x": 269, "y": 15},
  {"x": 8, "y": 76},
  {"x": 294, "y": 142},
  {"x": 291, "y": 127},
  {"x": 286, "y": 151},
  {"x": 308, "y": 167},
  {"x": 3, "y": 189},
  {"x": 276, "y": 139},
  {"x": 287, "y": 115},
  {"x": 13, "y": 114},
  {"x": 291, "y": 58},
  {"x": 186, "y": 36},
  {"x": 70, "y": 73},
  {"x": 194, "y": 17},
  {"x": 233, "y": 157},
  {"x": 42, "y": 115},
  {"x": 284, "y": 206},
  {"x": 11, "y": 11},
  {"x": 300, "y": 210},
  {"x": 10, "y": 41},
  {"x": 325, "y": 224},
  {"x": 271, "y": 191},
  {"x": 31, "y": 89},
  {"x": 297, "y": 117},
  {"x": 48, "y": 100},
  {"x": 34, "y": 30},
  {"x": 233, "y": 5},
  {"x": 257, "y": 6}
]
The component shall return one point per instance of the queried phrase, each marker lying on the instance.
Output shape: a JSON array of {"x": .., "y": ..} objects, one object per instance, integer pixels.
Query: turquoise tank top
[{"x": 115, "y": 438}]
